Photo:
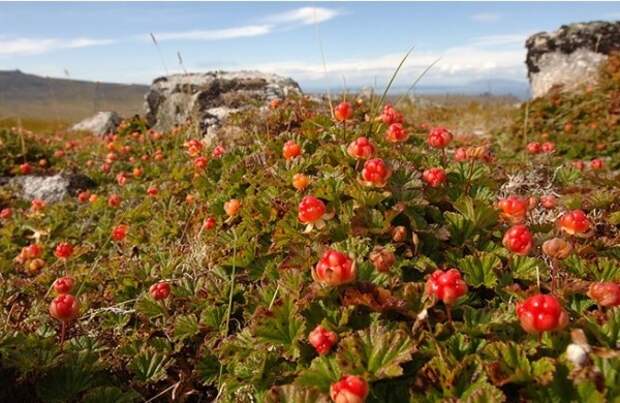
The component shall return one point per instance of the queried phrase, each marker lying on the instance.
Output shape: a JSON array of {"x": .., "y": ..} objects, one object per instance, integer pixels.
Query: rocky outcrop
[
  {"x": 207, "y": 99},
  {"x": 570, "y": 56},
  {"x": 100, "y": 124},
  {"x": 52, "y": 188}
]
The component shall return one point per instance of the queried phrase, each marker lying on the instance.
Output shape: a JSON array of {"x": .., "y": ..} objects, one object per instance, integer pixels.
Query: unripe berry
[
  {"x": 396, "y": 133},
  {"x": 557, "y": 248},
  {"x": 343, "y": 111},
  {"x": 548, "y": 201},
  {"x": 541, "y": 313},
  {"x": 64, "y": 250},
  {"x": 349, "y": 389},
  {"x": 361, "y": 148},
  {"x": 64, "y": 285},
  {"x": 232, "y": 207},
  {"x": 64, "y": 307},
  {"x": 310, "y": 210},
  {"x": 446, "y": 286},
  {"x": 291, "y": 150},
  {"x": 439, "y": 137},
  {"x": 518, "y": 240},
  {"x": 160, "y": 291},
  {"x": 514, "y": 209},
  {"x": 334, "y": 268},
  {"x": 605, "y": 293},
  {"x": 382, "y": 259},
  {"x": 300, "y": 182},
  {"x": 376, "y": 173},
  {"x": 434, "y": 177},
  {"x": 322, "y": 339},
  {"x": 575, "y": 222}
]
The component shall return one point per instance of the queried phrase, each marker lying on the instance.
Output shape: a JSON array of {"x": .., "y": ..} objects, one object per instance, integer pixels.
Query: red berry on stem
[
  {"x": 310, "y": 210},
  {"x": 534, "y": 147},
  {"x": 575, "y": 222},
  {"x": 322, "y": 339},
  {"x": 447, "y": 286},
  {"x": 160, "y": 290},
  {"x": 334, "y": 268},
  {"x": 64, "y": 250},
  {"x": 605, "y": 293},
  {"x": 349, "y": 389},
  {"x": 391, "y": 115},
  {"x": 64, "y": 307},
  {"x": 396, "y": 133},
  {"x": 119, "y": 232},
  {"x": 518, "y": 239},
  {"x": 343, "y": 111},
  {"x": 541, "y": 313},
  {"x": 64, "y": 285},
  {"x": 434, "y": 177},
  {"x": 439, "y": 137},
  {"x": 361, "y": 148},
  {"x": 514, "y": 208},
  {"x": 291, "y": 150},
  {"x": 376, "y": 172}
]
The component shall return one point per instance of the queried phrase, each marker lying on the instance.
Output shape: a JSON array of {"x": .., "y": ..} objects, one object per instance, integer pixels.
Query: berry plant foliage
[{"x": 349, "y": 255}]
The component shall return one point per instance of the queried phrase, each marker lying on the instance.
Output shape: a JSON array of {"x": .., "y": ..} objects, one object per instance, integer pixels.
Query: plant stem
[{"x": 62, "y": 334}]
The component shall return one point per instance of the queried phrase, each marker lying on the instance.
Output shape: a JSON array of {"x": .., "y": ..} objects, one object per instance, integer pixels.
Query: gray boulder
[
  {"x": 49, "y": 188},
  {"x": 207, "y": 99},
  {"x": 570, "y": 56},
  {"x": 100, "y": 124}
]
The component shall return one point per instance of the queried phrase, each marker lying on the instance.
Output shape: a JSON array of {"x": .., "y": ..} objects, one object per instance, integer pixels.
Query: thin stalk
[{"x": 230, "y": 299}]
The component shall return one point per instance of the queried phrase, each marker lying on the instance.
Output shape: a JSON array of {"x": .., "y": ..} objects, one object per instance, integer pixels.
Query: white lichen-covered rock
[
  {"x": 571, "y": 56},
  {"x": 206, "y": 99},
  {"x": 52, "y": 188},
  {"x": 100, "y": 124}
]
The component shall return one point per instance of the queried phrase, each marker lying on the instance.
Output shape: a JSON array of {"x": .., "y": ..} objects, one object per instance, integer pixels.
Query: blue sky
[{"x": 362, "y": 42}]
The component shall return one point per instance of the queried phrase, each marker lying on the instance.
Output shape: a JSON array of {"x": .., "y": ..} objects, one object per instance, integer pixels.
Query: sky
[{"x": 362, "y": 43}]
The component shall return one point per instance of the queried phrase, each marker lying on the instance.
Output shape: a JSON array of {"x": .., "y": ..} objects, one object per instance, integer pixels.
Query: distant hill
[{"x": 34, "y": 97}]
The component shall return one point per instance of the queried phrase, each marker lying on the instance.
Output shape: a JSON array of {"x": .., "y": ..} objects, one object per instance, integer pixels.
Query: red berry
[
  {"x": 518, "y": 240},
  {"x": 322, "y": 339},
  {"x": 64, "y": 285},
  {"x": 200, "y": 163},
  {"x": 64, "y": 250},
  {"x": 64, "y": 307},
  {"x": 514, "y": 208},
  {"x": 376, "y": 173},
  {"x": 121, "y": 179},
  {"x": 349, "y": 389},
  {"x": 548, "y": 201},
  {"x": 119, "y": 232},
  {"x": 361, "y": 148},
  {"x": 32, "y": 251},
  {"x": 218, "y": 151},
  {"x": 194, "y": 147},
  {"x": 114, "y": 200},
  {"x": 391, "y": 116},
  {"x": 300, "y": 181},
  {"x": 460, "y": 154},
  {"x": 6, "y": 213},
  {"x": 83, "y": 196},
  {"x": 579, "y": 165},
  {"x": 232, "y": 207},
  {"x": 596, "y": 164},
  {"x": 343, "y": 111},
  {"x": 152, "y": 191},
  {"x": 548, "y": 147},
  {"x": 541, "y": 313},
  {"x": 396, "y": 133},
  {"x": 38, "y": 205},
  {"x": 575, "y": 222},
  {"x": 310, "y": 210},
  {"x": 160, "y": 291},
  {"x": 534, "y": 147},
  {"x": 605, "y": 294},
  {"x": 434, "y": 176},
  {"x": 291, "y": 150},
  {"x": 447, "y": 286},
  {"x": 439, "y": 137},
  {"x": 25, "y": 168},
  {"x": 334, "y": 268},
  {"x": 209, "y": 223}
]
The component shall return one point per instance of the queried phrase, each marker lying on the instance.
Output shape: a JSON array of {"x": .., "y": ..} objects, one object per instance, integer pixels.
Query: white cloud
[
  {"x": 501, "y": 40},
  {"x": 33, "y": 46},
  {"x": 216, "y": 34},
  {"x": 304, "y": 15},
  {"x": 486, "y": 17}
]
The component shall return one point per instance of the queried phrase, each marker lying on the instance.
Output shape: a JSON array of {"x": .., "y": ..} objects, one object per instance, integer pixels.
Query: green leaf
[
  {"x": 208, "y": 368},
  {"x": 186, "y": 326},
  {"x": 377, "y": 350},
  {"x": 65, "y": 383},
  {"x": 295, "y": 394},
  {"x": 107, "y": 394},
  {"x": 150, "y": 307},
  {"x": 527, "y": 268},
  {"x": 323, "y": 371},
  {"x": 284, "y": 327},
  {"x": 479, "y": 212},
  {"x": 149, "y": 366},
  {"x": 480, "y": 269},
  {"x": 513, "y": 365}
]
